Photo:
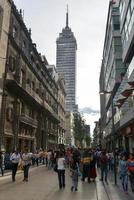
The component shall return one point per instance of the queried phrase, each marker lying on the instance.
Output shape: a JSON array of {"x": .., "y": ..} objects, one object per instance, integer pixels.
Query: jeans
[
  {"x": 14, "y": 170},
  {"x": 26, "y": 170},
  {"x": 124, "y": 180},
  {"x": 61, "y": 178},
  {"x": 104, "y": 170},
  {"x": 2, "y": 171},
  {"x": 132, "y": 180},
  {"x": 49, "y": 164},
  {"x": 85, "y": 173}
]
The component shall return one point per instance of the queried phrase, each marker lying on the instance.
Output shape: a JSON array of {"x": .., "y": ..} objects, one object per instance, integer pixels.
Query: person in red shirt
[
  {"x": 104, "y": 165},
  {"x": 130, "y": 164}
]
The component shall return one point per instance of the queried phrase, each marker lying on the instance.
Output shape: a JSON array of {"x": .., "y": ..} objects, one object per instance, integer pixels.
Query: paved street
[{"x": 43, "y": 185}]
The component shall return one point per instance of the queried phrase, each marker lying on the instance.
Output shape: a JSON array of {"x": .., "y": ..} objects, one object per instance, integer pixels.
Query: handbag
[{"x": 20, "y": 165}]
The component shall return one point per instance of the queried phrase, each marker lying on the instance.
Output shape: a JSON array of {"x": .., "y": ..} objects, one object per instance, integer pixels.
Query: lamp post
[{"x": 113, "y": 131}]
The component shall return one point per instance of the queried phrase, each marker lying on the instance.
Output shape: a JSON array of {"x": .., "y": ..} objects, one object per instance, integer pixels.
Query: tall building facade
[
  {"x": 123, "y": 96},
  {"x": 28, "y": 93},
  {"x": 66, "y": 63},
  {"x": 112, "y": 72}
]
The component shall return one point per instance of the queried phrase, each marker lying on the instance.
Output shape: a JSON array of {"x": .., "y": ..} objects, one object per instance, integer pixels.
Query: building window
[
  {"x": 33, "y": 85},
  {"x": 14, "y": 32},
  {"x": 23, "y": 45},
  {"x": 12, "y": 63},
  {"x": 22, "y": 77},
  {"x": 10, "y": 114}
]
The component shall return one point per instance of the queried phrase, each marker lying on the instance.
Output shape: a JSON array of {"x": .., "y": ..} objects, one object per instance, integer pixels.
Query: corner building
[{"x": 29, "y": 95}]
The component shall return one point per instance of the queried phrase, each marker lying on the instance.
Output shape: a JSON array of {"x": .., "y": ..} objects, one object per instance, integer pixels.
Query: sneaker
[{"x": 76, "y": 189}]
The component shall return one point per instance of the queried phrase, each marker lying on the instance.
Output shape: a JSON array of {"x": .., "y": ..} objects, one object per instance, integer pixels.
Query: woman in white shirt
[
  {"x": 15, "y": 158},
  {"x": 61, "y": 170},
  {"x": 26, "y": 159}
]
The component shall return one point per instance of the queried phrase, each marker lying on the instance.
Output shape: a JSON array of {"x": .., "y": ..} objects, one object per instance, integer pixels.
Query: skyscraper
[{"x": 66, "y": 63}]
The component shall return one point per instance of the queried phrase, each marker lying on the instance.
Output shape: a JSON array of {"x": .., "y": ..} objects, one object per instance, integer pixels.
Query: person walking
[
  {"x": 104, "y": 166},
  {"x": 74, "y": 169},
  {"x": 26, "y": 159},
  {"x": 1, "y": 163},
  {"x": 49, "y": 159},
  {"x": 86, "y": 160},
  {"x": 61, "y": 170},
  {"x": 130, "y": 164},
  {"x": 123, "y": 173},
  {"x": 92, "y": 172},
  {"x": 15, "y": 158}
]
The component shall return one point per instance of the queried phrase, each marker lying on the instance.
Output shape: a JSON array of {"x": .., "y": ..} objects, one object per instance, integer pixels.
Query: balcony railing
[
  {"x": 28, "y": 120},
  {"x": 129, "y": 115}
]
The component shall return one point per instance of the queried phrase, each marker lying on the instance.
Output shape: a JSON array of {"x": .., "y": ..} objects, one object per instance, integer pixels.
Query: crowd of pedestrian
[{"x": 80, "y": 162}]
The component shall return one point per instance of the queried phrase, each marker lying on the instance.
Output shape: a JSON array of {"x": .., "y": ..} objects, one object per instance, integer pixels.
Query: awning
[
  {"x": 127, "y": 91},
  {"x": 131, "y": 79},
  {"x": 120, "y": 100}
]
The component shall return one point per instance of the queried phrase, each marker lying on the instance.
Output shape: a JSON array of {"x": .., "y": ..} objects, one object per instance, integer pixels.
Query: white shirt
[
  {"x": 49, "y": 155},
  {"x": 15, "y": 158},
  {"x": 26, "y": 157},
  {"x": 61, "y": 164}
]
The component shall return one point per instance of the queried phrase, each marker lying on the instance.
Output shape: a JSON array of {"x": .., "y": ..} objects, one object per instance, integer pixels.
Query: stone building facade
[
  {"x": 29, "y": 101},
  {"x": 61, "y": 110}
]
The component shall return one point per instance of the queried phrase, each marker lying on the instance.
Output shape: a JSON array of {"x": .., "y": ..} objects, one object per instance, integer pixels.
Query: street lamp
[{"x": 113, "y": 131}]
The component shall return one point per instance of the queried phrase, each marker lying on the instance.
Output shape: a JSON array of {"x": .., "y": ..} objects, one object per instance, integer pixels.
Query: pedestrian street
[{"x": 43, "y": 185}]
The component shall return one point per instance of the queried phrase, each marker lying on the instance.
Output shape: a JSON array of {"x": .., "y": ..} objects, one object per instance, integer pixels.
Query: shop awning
[
  {"x": 131, "y": 80},
  {"x": 127, "y": 91},
  {"x": 120, "y": 100}
]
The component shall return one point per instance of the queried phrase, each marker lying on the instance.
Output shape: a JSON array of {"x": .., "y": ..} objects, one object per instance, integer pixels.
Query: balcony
[
  {"x": 46, "y": 106},
  {"x": 28, "y": 120},
  {"x": 24, "y": 136},
  {"x": 33, "y": 94},
  {"x": 127, "y": 117},
  {"x": 30, "y": 96}
]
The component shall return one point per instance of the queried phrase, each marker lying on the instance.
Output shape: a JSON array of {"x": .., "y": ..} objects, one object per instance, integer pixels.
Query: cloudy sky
[{"x": 87, "y": 19}]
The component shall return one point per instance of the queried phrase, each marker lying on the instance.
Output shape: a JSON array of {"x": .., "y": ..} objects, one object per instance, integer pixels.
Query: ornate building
[
  {"x": 61, "y": 109},
  {"x": 29, "y": 105},
  {"x": 59, "y": 79}
]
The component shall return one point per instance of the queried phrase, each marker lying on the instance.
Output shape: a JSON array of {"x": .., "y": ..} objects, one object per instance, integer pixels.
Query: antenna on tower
[
  {"x": 67, "y": 17},
  {"x": 23, "y": 14}
]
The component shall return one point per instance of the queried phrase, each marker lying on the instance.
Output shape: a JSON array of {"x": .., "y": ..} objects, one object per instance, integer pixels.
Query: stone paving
[{"x": 43, "y": 185}]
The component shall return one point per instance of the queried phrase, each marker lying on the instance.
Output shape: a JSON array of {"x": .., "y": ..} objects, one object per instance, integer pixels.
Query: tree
[
  {"x": 88, "y": 140},
  {"x": 79, "y": 128}
]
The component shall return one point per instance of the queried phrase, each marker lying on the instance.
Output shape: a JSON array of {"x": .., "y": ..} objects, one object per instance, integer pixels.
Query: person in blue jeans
[
  {"x": 26, "y": 159},
  {"x": 104, "y": 166},
  {"x": 61, "y": 170},
  {"x": 123, "y": 173}
]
